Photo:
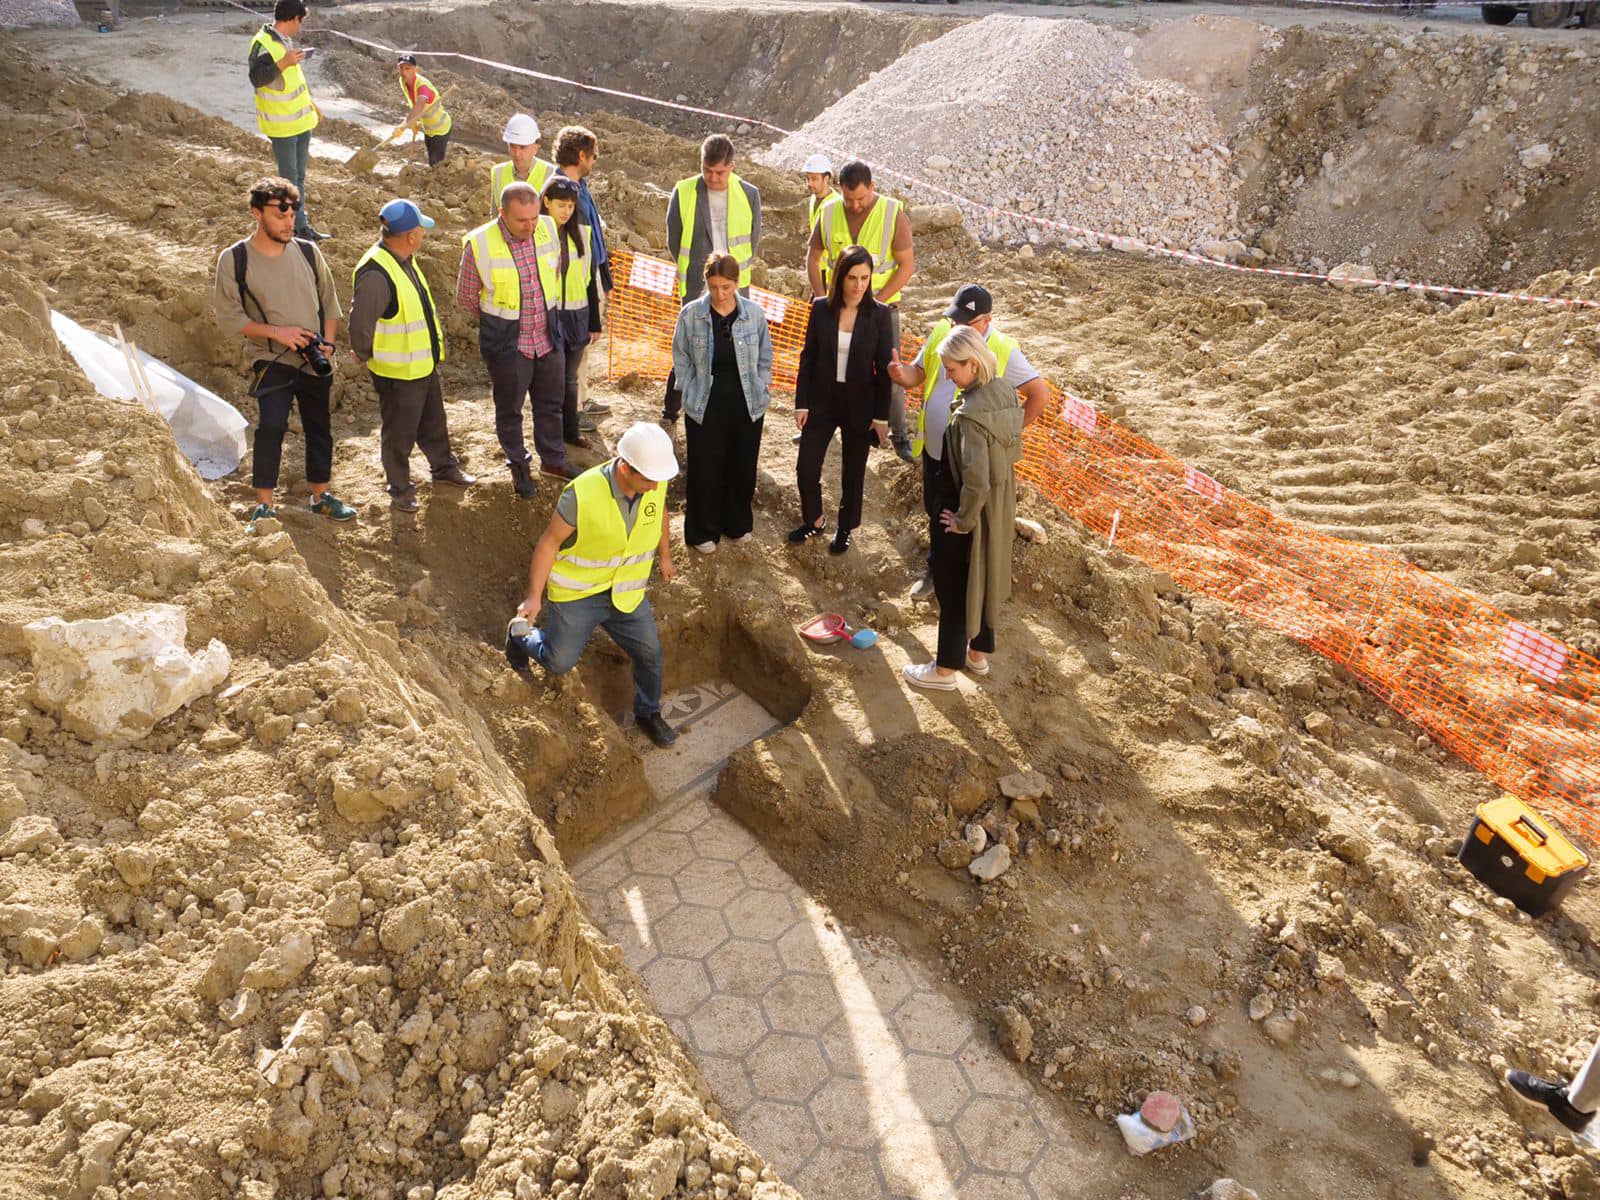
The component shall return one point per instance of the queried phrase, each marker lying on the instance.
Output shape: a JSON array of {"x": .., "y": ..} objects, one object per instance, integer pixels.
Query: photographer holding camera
[{"x": 282, "y": 301}]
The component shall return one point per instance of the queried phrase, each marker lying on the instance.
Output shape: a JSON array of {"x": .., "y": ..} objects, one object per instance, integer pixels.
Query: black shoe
[
  {"x": 456, "y": 477},
  {"x": 657, "y": 730},
  {"x": 516, "y": 654},
  {"x": 522, "y": 480},
  {"x": 840, "y": 543},
  {"x": 796, "y": 536},
  {"x": 904, "y": 451},
  {"x": 404, "y": 502},
  {"x": 1551, "y": 1096}
]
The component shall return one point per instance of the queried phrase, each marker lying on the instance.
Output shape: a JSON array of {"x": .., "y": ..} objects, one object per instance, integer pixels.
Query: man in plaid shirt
[{"x": 524, "y": 362}]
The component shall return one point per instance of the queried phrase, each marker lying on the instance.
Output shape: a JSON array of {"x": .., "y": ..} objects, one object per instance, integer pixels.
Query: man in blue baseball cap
[{"x": 395, "y": 331}]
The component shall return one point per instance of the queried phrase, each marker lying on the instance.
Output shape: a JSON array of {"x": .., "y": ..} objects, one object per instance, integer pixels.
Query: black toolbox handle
[{"x": 1540, "y": 834}]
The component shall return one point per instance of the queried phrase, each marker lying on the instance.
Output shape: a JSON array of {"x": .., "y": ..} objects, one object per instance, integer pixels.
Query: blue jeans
[
  {"x": 291, "y": 153},
  {"x": 568, "y": 626}
]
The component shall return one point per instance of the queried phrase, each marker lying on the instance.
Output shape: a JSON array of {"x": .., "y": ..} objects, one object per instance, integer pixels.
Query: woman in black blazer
[{"x": 843, "y": 384}]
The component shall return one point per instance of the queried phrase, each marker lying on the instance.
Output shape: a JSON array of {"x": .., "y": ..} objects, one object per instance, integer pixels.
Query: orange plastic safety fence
[{"x": 1521, "y": 706}]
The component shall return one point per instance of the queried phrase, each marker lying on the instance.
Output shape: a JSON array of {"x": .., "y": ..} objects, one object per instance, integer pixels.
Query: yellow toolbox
[{"x": 1518, "y": 854}]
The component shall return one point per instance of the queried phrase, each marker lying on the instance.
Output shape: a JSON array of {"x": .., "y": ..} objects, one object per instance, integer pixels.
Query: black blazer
[{"x": 863, "y": 397}]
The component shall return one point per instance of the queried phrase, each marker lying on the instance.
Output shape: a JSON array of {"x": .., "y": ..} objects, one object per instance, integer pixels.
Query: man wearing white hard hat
[
  {"x": 524, "y": 165},
  {"x": 593, "y": 565},
  {"x": 819, "y": 186}
]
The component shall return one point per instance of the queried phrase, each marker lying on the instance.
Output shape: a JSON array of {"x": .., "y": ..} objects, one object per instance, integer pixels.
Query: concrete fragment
[{"x": 113, "y": 678}]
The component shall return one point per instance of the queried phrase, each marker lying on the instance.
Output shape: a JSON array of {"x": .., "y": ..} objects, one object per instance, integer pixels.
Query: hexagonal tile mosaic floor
[{"x": 835, "y": 1056}]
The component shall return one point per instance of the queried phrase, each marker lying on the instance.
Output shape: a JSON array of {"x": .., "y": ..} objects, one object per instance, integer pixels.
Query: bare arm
[
  {"x": 544, "y": 558},
  {"x": 664, "y": 550},
  {"x": 1035, "y": 395},
  {"x": 905, "y": 260},
  {"x": 814, "y": 261}
]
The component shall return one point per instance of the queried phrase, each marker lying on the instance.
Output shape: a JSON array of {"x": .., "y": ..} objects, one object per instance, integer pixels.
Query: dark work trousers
[
  {"x": 438, "y": 145},
  {"x": 930, "y": 493},
  {"x": 853, "y": 447},
  {"x": 672, "y": 403},
  {"x": 570, "y": 428},
  {"x": 721, "y": 479},
  {"x": 411, "y": 413},
  {"x": 541, "y": 381},
  {"x": 278, "y": 386},
  {"x": 952, "y": 552}
]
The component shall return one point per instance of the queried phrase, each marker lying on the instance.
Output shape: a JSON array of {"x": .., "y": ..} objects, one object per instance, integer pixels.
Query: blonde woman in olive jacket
[{"x": 977, "y": 490}]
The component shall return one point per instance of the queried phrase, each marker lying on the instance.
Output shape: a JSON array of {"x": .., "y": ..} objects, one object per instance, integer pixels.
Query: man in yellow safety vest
[
  {"x": 524, "y": 166},
  {"x": 395, "y": 332},
  {"x": 285, "y": 111},
  {"x": 593, "y": 563},
  {"x": 972, "y": 306},
  {"x": 819, "y": 186},
  {"x": 858, "y": 216},
  {"x": 427, "y": 109},
  {"x": 714, "y": 212}
]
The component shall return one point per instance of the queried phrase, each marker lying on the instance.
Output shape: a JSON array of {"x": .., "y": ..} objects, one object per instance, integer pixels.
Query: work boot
[
  {"x": 657, "y": 730},
  {"x": 522, "y": 480},
  {"x": 1551, "y": 1096}
]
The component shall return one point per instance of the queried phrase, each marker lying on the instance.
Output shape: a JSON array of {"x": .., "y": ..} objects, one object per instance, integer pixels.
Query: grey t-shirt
[
  {"x": 1018, "y": 372},
  {"x": 567, "y": 505},
  {"x": 285, "y": 288}
]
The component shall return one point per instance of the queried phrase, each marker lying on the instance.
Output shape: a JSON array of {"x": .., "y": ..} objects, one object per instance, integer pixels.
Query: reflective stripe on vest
[
  {"x": 605, "y": 556},
  {"x": 503, "y": 173},
  {"x": 741, "y": 227},
  {"x": 434, "y": 120},
  {"x": 572, "y": 289},
  {"x": 401, "y": 345},
  {"x": 286, "y": 111},
  {"x": 500, "y": 284},
  {"x": 1000, "y": 345},
  {"x": 877, "y": 235},
  {"x": 814, "y": 206}
]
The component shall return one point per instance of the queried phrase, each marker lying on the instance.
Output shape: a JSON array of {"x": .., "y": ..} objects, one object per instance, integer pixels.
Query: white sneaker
[
  {"x": 978, "y": 666},
  {"x": 742, "y": 539},
  {"x": 706, "y": 547},
  {"x": 922, "y": 588},
  {"x": 927, "y": 676}
]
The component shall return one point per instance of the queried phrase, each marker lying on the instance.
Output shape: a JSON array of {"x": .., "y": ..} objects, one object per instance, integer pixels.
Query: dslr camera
[{"x": 313, "y": 352}]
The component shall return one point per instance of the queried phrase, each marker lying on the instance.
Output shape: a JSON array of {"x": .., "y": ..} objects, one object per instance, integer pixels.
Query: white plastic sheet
[{"x": 208, "y": 429}]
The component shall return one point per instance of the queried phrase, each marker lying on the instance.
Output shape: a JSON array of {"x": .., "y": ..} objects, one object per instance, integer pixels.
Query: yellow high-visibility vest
[
  {"x": 503, "y": 173},
  {"x": 287, "y": 110},
  {"x": 605, "y": 556},
  {"x": 572, "y": 288},
  {"x": 433, "y": 119},
  {"x": 500, "y": 287},
  {"x": 401, "y": 345},
  {"x": 814, "y": 206},
  {"x": 877, "y": 235},
  {"x": 741, "y": 227},
  {"x": 1000, "y": 345}
]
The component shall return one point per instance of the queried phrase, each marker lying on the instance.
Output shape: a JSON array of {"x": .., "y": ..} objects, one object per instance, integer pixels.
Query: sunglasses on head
[{"x": 284, "y": 206}]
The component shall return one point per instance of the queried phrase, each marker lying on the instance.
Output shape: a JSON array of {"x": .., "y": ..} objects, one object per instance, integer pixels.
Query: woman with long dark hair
[
  {"x": 843, "y": 384},
  {"x": 722, "y": 359},
  {"x": 575, "y": 309}
]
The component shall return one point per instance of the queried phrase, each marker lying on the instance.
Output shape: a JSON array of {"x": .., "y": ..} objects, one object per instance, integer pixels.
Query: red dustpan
[{"x": 826, "y": 628}]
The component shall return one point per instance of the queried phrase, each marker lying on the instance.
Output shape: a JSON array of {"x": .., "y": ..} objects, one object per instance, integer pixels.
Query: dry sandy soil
[{"x": 314, "y": 936}]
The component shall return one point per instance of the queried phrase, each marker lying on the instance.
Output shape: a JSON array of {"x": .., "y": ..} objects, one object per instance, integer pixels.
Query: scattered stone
[
  {"x": 1024, "y": 785},
  {"x": 1281, "y": 1028},
  {"x": 475, "y": 1141},
  {"x": 1015, "y": 1033},
  {"x": 27, "y": 834},
  {"x": 1535, "y": 156},
  {"x": 1229, "y": 1189},
  {"x": 1261, "y": 1006},
  {"x": 991, "y": 864},
  {"x": 954, "y": 854},
  {"x": 1161, "y": 1111},
  {"x": 976, "y": 837},
  {"x": 96, "y": 1150},
  {"x": 115, "y": 677},
  {"x": 1196, "y": 1016},
  {"x": 283, "y": 964},
  {"x": 1348, "y": 276},
  {"x": 1030, "y": 530},
  {"x": 1320, "y": 726}
]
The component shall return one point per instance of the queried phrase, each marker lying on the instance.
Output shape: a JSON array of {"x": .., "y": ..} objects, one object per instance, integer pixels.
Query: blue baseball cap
[{"x": 401, "y": 216}]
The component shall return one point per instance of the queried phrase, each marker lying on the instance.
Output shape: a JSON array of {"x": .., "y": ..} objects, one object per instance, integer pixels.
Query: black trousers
[
  {"x": 438, "y": 145},
  {"x": 721, "y": 479},
  {"x": 952, "y": 553},
  {"x": 853, "y": 445},
  {"x": 411, "y": 414},
  {"x": 278, "y": 386},
  {"x": 570, "y": 429},
  {"x": 543, "y": 380}
]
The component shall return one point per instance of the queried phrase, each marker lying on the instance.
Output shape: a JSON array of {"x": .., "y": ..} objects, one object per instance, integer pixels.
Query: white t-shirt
[
  {"x": 844, "y": 353},
  {"x": 718, "y": 217},
  {"x": 1018, "y": 372}
]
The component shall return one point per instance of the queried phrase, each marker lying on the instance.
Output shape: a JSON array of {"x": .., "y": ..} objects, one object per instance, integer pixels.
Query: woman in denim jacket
[{"x": 722, "y": 355}]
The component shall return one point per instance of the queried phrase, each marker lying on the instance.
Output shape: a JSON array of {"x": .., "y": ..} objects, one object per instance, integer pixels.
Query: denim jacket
[{"x": 692, "y": 349}]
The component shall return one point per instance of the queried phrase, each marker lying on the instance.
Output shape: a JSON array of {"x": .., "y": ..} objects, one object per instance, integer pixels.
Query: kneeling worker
[{"x": 593, "y": 563}]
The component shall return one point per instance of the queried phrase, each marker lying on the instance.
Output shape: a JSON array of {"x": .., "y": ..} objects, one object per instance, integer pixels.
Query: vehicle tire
[
  {"x": 1549, "y": 14},
  {"x": 1499, "y": 14}
]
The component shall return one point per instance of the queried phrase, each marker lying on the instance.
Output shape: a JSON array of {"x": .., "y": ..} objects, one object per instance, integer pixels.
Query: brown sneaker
[{"x": 559, "y": 471}]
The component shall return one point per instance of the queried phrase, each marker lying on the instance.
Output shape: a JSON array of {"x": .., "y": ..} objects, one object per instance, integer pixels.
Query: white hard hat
[
  {"x": 522, "y": 130},
  {"x": 818, "y": 164},
  {"x": 647, "y": 448}
]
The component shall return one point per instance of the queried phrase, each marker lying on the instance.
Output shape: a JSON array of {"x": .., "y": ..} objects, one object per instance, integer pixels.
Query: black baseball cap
[
  {"x": 971, "y": 301},
  {"x": 406, "y": 60}
]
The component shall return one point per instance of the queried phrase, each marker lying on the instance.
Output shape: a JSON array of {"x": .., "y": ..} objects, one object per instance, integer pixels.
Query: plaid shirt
[{"x": 533, "y": 330}]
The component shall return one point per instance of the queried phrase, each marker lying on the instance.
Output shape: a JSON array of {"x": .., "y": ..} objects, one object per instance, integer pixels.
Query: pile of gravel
[
  {"x": 22, "y": 14},
  {"x": 1047, "y": 117}
]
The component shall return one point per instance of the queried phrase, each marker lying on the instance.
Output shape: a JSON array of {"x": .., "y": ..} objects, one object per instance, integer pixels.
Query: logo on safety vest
[{"x": 650, "y": 508}]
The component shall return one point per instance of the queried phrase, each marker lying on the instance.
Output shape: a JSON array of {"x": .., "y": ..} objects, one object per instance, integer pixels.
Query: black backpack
[{"x": 241, "y": 258}]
